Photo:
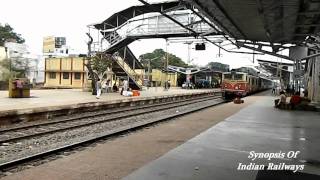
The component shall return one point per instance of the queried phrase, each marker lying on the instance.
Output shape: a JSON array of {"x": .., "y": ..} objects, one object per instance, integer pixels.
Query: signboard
[
  {"x": 298, "y": 73},
  {"x": 298, "y": 52}
]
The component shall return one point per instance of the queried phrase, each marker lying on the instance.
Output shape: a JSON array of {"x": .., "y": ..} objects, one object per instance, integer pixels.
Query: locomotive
[{"x": 239, "y": 83}]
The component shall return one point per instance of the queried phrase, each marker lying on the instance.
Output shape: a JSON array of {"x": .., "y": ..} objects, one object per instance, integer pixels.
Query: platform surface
[
  {"x": 217, "y": 152},
  {"x": 58, "y": 97}
]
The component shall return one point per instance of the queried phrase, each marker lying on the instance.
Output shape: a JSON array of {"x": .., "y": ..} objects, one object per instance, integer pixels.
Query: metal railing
[
  {"x": 129, "y": 71},
  {"x": 154, "y": 26}
]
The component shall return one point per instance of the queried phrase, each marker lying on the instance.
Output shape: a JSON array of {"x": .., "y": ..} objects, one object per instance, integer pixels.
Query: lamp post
[{"x": 166, "y": 67}]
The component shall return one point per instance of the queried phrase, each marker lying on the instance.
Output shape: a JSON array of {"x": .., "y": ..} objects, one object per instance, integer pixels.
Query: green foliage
[
  {"x": 7, "y": 33},
  {"x": 13, "y": 68},
  {"x": 100, "y": 63},
  {"x": 216, "y": 66},
  {"x": 158, "y": 57}
]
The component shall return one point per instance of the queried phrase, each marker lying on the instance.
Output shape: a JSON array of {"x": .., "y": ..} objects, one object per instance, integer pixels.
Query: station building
[
  {"x": 158, "y": 78},
  {"x": 65, "y": 72}
]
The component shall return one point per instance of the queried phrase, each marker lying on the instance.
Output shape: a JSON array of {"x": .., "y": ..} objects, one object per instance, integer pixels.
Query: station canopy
[
  {"x": 123, "y": 16},
  {"x": 251, "y": 24},
  {"x": 274, "y": 21}
]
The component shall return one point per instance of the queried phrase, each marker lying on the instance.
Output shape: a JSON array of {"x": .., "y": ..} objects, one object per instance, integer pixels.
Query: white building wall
[
  {"x": 20, "y": 52},
  {"x": 2, "y": 53}
]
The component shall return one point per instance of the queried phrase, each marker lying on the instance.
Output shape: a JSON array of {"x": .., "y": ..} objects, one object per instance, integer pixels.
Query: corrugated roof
[
  {"x": 278, "y": 21},
  {"x": 123, "y": 16}
]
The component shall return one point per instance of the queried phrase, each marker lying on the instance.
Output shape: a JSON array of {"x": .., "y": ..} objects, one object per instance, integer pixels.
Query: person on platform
[
  {"x": 295, "y": 100},
  {"x": 125, "y": 85},
  {"x": 274, "y": 89},
  {"x": 19, "y": 85},
  {"x": 98, "y": 87},
  {"x": 282, "y": 101},
  {"x": 108, "y": 86},
  {"x": 115, "y": 88}
]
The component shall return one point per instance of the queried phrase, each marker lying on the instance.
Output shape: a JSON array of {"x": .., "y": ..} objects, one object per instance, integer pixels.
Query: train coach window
[
  {"x": 238, "y": 76},
  {"x": 227, "y": 76}
]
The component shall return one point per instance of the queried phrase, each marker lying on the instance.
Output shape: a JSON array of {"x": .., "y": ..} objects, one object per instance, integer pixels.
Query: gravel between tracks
[
  {"x": 39, "y": 144},
  {"x": 116, "y": 158}
]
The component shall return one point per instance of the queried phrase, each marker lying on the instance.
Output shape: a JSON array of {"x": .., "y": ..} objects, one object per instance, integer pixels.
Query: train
[{"x": 239, "y": 84}]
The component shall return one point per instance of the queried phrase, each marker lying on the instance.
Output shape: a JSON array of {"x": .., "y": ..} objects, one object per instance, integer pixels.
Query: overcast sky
[{"x": 35, "y": 19}]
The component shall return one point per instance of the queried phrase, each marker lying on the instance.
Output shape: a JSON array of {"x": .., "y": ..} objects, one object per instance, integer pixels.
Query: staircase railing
[
  {"x": 130, "y": 72},
  {"x": 155, "y": 25}
]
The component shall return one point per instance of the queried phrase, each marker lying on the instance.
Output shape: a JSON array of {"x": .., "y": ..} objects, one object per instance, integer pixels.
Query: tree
[
  {"x": 216, "y": 66},
  {"x": 97, "y": 65},
  {"x": 7, "y": 33},
  {"x": 100, "y": 63},
  {"x": 157, "y": 58},
  {"x": 15, "y": 66}
]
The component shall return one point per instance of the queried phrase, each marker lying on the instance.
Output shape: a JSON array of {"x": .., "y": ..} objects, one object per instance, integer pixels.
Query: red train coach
[{"x": 242, "y": 84}]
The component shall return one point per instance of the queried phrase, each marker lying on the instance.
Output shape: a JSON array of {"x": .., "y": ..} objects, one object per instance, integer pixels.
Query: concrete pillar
[
  {"x": 314, "y": 79},
  {"x": 296, "y": 53}
]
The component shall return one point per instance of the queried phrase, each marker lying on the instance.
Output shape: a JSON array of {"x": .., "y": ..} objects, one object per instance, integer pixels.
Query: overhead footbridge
[
  {"x": 144, "y": 22},
  {"x": 264, "y": 26}
]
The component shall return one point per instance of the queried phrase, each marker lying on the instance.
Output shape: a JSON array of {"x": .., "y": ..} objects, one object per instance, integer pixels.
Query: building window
[
  {"x": 77, "y": 75},
  {"x": 65, "y": 75},
  {"x": 52, "y": 75}
]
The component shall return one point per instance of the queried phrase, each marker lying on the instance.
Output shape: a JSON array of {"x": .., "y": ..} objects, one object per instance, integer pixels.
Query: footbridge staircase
[{"x": 140, "y": 22}]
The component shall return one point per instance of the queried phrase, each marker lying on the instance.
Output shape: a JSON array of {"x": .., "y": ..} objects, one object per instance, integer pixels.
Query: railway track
[
  {"x": 8, "y": 135},
  {"x": 29, "y": 142}
]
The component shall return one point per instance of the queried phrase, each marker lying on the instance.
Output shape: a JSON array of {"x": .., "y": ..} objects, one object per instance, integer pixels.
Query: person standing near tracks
[
  {"x": 108, "y": 86},
  {"x": 98, "y": 87},
  {"x": 125, "y": 85},
  {"x": 282, "y": 101},
  {"x": 274, "y": 89}
]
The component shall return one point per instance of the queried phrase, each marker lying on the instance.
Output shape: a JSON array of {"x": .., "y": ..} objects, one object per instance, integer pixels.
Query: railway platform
[
  {"x": 48, "y": 103},
  {"x": 226, "y": 150}
]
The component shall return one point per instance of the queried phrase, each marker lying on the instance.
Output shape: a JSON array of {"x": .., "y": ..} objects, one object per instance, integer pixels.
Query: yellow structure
[
  {"x": 19, "y": 92},
  {"x": 158, "y": 78},
  {"x": 49, "y": 44},
  {"x": 68, "y": 72}
]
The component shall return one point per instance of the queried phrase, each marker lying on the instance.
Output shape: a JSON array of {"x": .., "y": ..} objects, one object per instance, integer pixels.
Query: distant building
[
  {"x": 2, "y": 53},
  {"x": 158, "y": 77},
  {"x": 63, "y": 67},
  {"x": 2, "y": 70},
  {"x": 216, "y": 66},
  {"x": 65, "y": 72},
  {"x": 20, "y": 57},
  {"x": 56, "y": 47}
]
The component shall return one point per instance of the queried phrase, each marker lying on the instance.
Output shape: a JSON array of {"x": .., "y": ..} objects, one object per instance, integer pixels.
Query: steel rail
[
  {"x": 123, "y": 115},
  {"x": 26, "y": 159},
  {"x": 111, "y": 111}
]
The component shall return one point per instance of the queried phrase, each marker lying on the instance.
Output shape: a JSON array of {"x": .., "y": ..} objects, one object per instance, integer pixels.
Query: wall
[
  {"x": 2, "y": 53},
  {"x": 73, "y": 66},
  {"x": 2, "y": 57},
  {"x": 314, "y": 79},
  {"x": 158, "y": 77}
]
